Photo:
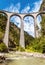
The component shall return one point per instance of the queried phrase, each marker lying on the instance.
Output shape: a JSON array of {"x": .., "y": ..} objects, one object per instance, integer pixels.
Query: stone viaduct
[{"x": 22, "y": 16}]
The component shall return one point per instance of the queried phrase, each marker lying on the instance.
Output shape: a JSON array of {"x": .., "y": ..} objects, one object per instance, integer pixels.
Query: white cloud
[
  {"x": 29, "y": 25},
  {"x": 26, "y": 9},
  {"x": 13, "y": 8},
  {"x": 29, "y": 28},
  {"x": 16, "y": 20}
]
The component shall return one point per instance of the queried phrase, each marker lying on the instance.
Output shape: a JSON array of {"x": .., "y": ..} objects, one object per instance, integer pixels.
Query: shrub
[
  {"x": 3, "y": 47},
  {"x": 37, "y": 45},
  {"x": 21, "y": 49}
]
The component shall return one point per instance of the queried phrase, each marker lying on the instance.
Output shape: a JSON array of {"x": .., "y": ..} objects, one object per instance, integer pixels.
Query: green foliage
[
  {"x": 38, "y": 45},
  {"x": 3, "y": 47},
  {"x": 43, "y": 26},
  {"x": 29, "y": 48},
  {"x": 21, "y": 49},
  {"x": 42, "y": 44},
  {"x": 3, "y": 20},
  {"x": 28, "y": 39}
]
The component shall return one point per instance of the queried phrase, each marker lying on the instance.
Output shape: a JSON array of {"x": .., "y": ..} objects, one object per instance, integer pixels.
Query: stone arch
[
  {"x": 15, "y": 15},
  {"x": 28, "y": 15},
  {"x": 29, "y": 26},
  {"x": 4, "y": 13},
  {"x": 40, "y": 13},
  {"x": 18, "y": 36}
]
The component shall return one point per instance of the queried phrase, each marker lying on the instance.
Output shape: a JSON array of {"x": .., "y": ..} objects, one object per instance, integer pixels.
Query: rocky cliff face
[{"x": 42, "y": 6}]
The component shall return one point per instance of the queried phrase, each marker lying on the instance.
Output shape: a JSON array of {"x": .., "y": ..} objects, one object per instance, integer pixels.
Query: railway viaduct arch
[{"x": 22, "y": 16}]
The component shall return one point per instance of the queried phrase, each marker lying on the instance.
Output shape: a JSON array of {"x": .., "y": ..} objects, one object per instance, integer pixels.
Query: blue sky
[
  {"x": 22, "y": 6},
  {"x": 23, "y": 3}
]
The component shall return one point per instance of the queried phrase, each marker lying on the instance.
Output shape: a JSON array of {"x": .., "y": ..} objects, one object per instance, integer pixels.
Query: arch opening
[
  {"x": 14, "y": 34},
  {"x": 29, "y": 29},
  {"x": 41, "y": 23}
]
